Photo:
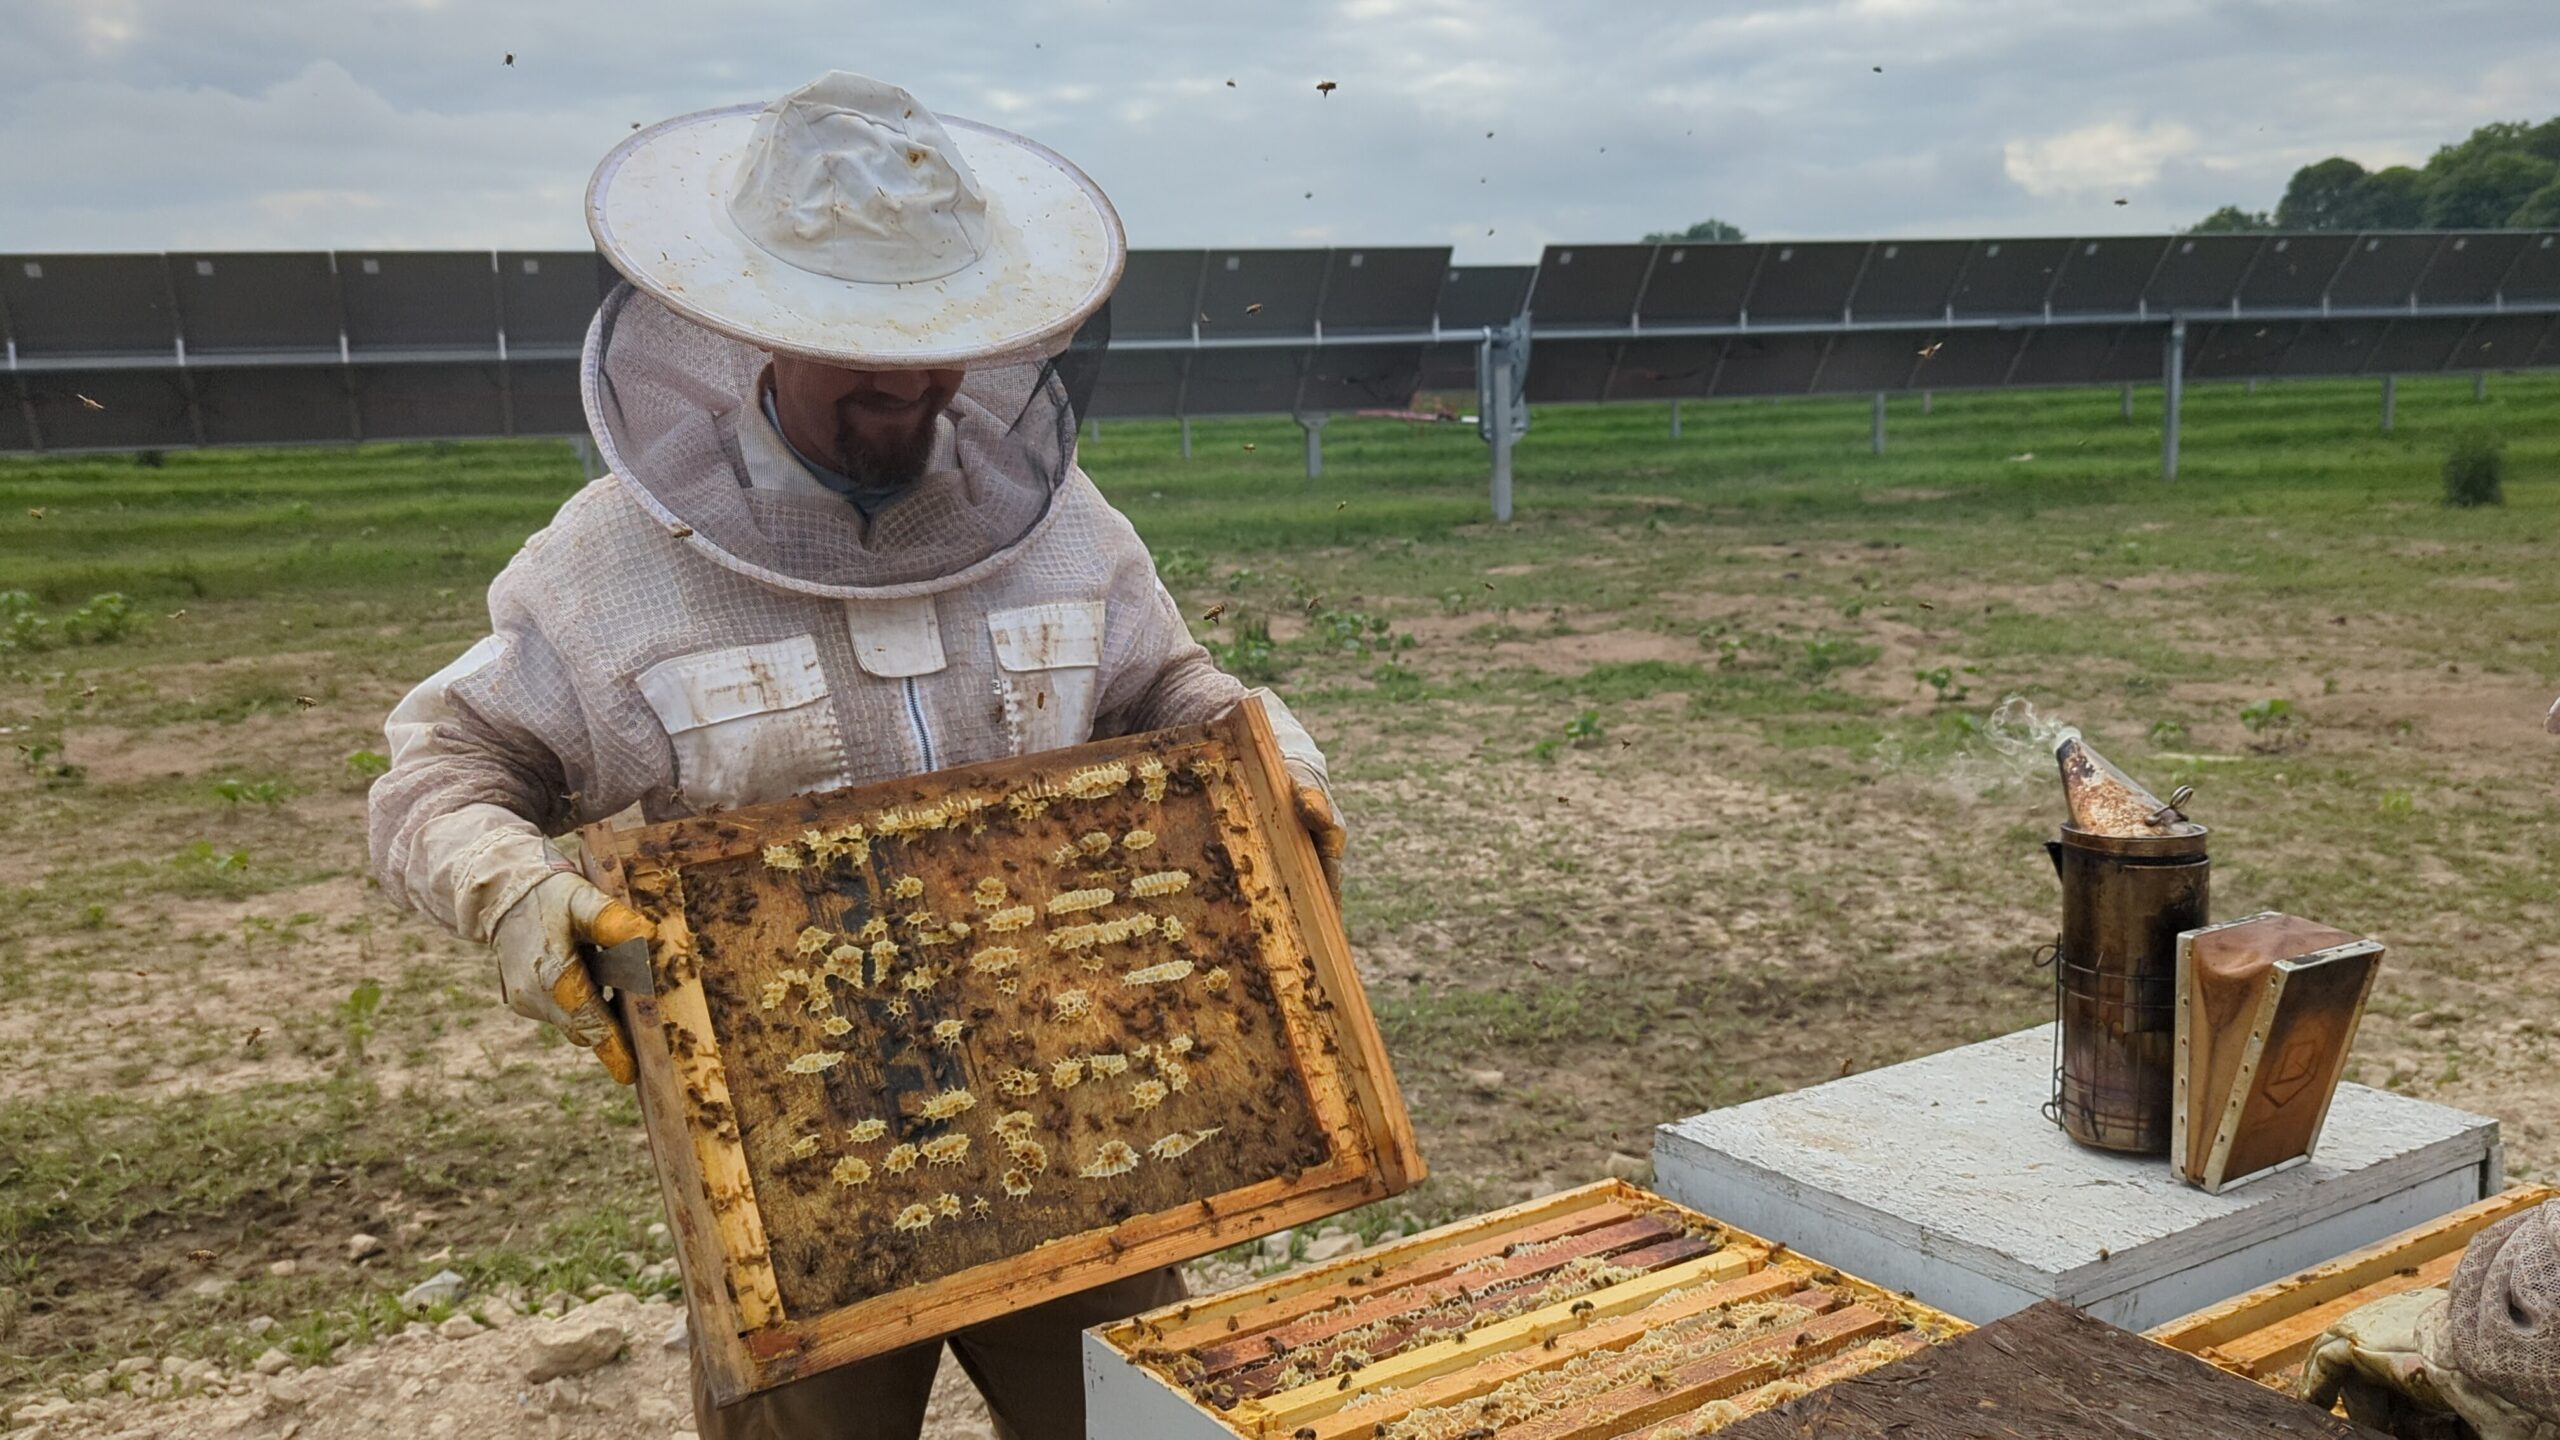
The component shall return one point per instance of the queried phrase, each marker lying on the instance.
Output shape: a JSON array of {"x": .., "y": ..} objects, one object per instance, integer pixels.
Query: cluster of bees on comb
[{"x": 1027, "y": 978}]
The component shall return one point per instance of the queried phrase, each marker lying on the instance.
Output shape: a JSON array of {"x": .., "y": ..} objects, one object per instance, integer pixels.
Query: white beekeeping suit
[{"x": 708, "y": 626}]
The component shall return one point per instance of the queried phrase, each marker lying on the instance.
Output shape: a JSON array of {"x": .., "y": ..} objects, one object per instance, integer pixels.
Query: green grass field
[{"x": 1687, "y": 786}]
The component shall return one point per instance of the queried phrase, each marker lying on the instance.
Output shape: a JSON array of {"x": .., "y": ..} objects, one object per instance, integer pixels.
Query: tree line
[{"x": 2505, "y": 176}]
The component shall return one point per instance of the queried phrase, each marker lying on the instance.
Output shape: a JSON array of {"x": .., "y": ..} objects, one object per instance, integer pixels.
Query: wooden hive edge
[{"x": 2215, "y": 1326}]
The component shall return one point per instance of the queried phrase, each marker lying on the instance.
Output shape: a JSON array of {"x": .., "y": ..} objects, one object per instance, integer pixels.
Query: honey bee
[
  {"x": 816, "y": 1062},
  {"x": 866, "y": 1131},
  {"x": 914, "y": 1217},
  {"x": 781, "y": 857},
  {"x": 1138, "y": 840},
  {"x": 850, "y": 1171},
  {"x": 1161, "y": 882},
  {"x": 948, "y": 1103},
  {"x": 946, "y": 1033},
  {"x": 1147, "y": 1094},
  {"x": 945, "y": 1149},
  {"x": 1114, "y": 1158},
  {"x": 899, "y": 1160}
]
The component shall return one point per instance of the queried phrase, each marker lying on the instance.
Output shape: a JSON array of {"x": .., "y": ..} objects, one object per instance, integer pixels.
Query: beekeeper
[
  {"x": 2487, "y": 1349},
  {"x": 844, "y": 539}
]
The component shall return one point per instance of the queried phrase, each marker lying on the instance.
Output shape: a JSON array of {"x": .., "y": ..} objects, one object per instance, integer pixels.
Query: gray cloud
[{"x": 151, "y": 124}]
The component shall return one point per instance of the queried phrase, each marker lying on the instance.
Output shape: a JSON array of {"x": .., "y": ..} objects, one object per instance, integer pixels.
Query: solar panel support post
[
  {"x": 2480, "y": 385},
  {"x": 1314, "y": 426},
  {"x": 1502, "y": 412},
  {"x": 2124, "y": 402},
  {"x": 2173, "y": 394},
  {"x": 1876, "y": 439},
  {"x": 1093, "y": 429},
  {"x": 2390, "y": 402},
  {"x": 1675, "y": 419},
  {"x": 1186, "y": 437},
  {"x": 586, "y": 449},
  {"x": 1928, "y": 402}
]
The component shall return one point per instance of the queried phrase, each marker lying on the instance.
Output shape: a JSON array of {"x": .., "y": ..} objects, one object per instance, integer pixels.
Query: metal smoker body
[{"x": 2134, "y": 876}]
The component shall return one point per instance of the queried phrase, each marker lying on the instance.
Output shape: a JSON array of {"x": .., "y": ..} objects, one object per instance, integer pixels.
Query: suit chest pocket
[
  {"x": 1049, "y": 670},
  {"x": 748, "y": 724}
]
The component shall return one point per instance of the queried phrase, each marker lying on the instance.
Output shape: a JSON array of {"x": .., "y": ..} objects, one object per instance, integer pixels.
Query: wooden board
[
  {"x": 2048, "y": 1372},
  {"x": 925, "y": 1052},
  {"x": 2265, "y": 1334},
  {"x": 1601, "y": 1307}
]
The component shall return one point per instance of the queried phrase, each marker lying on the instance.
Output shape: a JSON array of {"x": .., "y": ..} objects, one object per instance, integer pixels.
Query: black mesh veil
[{"x": 666, "y": 399}]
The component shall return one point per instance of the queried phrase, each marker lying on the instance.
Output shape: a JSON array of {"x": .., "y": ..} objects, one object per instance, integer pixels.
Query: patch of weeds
[
  {"x": 232, "y": 792},
  {"x": 2168, "y": 735},
  {"x": 2397, "y": 803},
  {"x": 106, "y": 618},
  {"x": 1942, "y": 679},
  {"x": 356, "y": 1018},
  {"x": 1399, "y": 682},
  {"x": 43, "y": 759},
  {"x": 1248, "y": 653},
  {"x": 1827, "y": 655},
  {"x": 1181, "y": 564},
  {"x": 368, "y": 764},
  {"x": 2475, "y": 473},
  {"x": 2271, "y": 721},
  {"x": 1354, "y": 632}
]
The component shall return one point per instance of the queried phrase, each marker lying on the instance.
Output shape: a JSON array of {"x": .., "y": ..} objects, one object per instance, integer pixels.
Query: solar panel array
[
  {"x": 1650, "y": 322},
  {"x": 161, "y": 351}
]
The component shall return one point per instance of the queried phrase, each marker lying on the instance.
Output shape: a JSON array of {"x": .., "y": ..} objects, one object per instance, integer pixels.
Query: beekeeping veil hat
[{"x": 846, "y": 224}]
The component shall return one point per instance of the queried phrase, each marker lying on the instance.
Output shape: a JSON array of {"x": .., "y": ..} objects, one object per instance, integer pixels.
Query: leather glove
[
  {"x": 543, "y": 977},
  {"x": 1324, "y": 827}
]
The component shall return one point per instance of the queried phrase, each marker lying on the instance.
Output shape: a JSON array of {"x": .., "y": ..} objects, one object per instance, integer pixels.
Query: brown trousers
[{"x": 1028, "y": 1364}]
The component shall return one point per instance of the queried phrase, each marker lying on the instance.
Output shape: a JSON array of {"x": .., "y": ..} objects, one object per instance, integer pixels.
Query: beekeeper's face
[{"x": 872, "y": 426}]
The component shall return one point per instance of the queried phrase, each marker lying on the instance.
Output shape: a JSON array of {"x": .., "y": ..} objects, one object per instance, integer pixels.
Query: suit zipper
[{"x": 915, "y": 717}]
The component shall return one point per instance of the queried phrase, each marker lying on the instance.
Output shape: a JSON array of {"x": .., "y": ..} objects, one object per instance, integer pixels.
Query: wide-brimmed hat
[{"x": 846, "y": 223}]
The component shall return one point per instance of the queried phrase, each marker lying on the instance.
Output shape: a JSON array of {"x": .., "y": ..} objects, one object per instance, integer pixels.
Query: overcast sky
[{"x": 283, "y": 124}]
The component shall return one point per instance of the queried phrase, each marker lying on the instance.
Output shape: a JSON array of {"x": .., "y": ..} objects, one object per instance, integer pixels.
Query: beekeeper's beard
[{"x": 880, "y": 447}]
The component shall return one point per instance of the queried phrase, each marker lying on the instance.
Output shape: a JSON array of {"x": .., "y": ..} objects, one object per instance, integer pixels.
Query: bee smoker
[{"x": 2134, "y": 874}]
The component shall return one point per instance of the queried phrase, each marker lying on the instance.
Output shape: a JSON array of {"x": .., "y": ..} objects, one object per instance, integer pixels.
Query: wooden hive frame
[
  {"x": 2265, "y": 1334},
  {"x": 755, "y": 1264},
  {"x": 1650, "y": 1269}
]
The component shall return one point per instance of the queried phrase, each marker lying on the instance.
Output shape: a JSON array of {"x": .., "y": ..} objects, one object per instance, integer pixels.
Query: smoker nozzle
[{"x": 2106, "y": 801}]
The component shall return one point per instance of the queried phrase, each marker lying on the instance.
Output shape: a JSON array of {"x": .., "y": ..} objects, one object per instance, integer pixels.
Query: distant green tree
[
  {"x": 2478, "y": 191},
  {"x": 1706, "y": 232},
  {"x": 2540, "y": 210},
  {"x": 2230, "y": 219},
  {"x": 2394, "y": 198},
  {"x": 2322, "y": 195},
  {"x": 2544, "y": 139},
  {"x": 2495, "y": 138}
]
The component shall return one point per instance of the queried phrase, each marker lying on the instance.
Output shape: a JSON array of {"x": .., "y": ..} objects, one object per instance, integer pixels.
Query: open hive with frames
[
  {"x": 1605, "y": 1311},
  {"x": 924, "y": 1052}
]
